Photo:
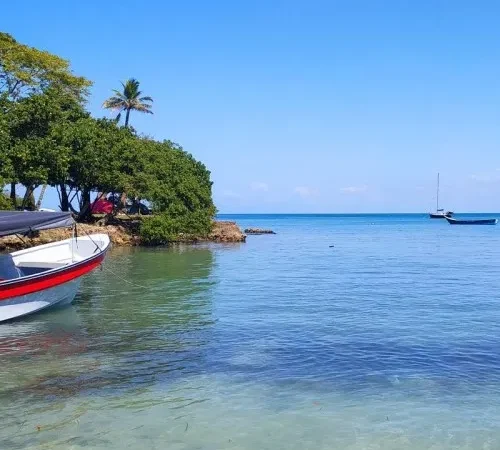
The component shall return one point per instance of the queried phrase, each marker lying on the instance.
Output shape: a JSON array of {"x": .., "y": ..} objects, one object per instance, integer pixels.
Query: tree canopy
[{"x": 25, "y": 70}]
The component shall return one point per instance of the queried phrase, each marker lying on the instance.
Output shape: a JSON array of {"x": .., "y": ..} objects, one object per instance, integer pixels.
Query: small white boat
[
  {"x": 440, "y": 213},
  {"x": 47, "y": 275}
]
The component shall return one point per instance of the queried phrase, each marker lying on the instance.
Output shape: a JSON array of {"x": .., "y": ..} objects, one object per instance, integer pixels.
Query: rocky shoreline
[
  {"x": 122, "y": 234},
  {"x": 258, "y": 231}
]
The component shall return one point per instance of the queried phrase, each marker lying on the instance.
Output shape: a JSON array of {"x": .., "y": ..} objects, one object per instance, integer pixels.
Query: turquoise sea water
[{"x": 390, "y": 339}]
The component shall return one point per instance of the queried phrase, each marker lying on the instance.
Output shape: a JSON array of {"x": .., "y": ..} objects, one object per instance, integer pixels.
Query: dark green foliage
[
  {"x": 53, "y": 141},
  {"x": 97, "y": 151},
  {"x": 5, "y": 202},
  {"x": 34, "y": 155},
  {"x": 172, "y": 179},
  {"x": 165, "y": 227},
  {"x": 5, "y": 166},
  {"x": 180, "y": 190}
]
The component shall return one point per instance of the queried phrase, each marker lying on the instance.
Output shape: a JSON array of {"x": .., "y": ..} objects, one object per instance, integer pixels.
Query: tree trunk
[
  {"x": 27, "y": 197},
  {"x": 13, "y": 197},
  {"x": 85, "y": 210},
  {"x": 123, "y": 197},
  {"x": 64, "y": 198},
  {"x": 123, "y": 201},
  {"x": 126, "y": 118}
]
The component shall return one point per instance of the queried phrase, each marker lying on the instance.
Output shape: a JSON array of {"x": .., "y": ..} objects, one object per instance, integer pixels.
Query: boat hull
[
  {"x": 49, "y": 275},
  {"x": 23, "y": 305},
  {"x": 472, "y": 221}
]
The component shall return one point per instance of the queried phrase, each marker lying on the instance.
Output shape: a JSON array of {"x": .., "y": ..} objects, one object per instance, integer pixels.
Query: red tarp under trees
[{"x": 102, "y": 206}]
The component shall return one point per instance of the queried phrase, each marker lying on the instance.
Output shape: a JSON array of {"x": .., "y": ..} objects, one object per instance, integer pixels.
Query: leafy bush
[
  {"x": 5, "y": 202},
  {"x": 165, "y": 228}
]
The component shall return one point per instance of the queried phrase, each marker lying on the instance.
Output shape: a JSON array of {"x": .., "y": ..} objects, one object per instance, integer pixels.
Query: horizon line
[{"x": 344, "y": 213}]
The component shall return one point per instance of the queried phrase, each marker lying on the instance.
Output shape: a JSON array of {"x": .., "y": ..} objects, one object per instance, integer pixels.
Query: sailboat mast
[{"x": 437, "y": 195}]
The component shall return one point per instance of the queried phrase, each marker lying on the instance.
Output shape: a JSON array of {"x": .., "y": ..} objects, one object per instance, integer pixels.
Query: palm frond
[
  {"x": 114, "y": 103},
  {"x": 119, "y": 94},
  {"x": 141, "y": 107},
  {"x": 131, "y": 88},
  {"x": 129, "y": 99},
  {"x": 114, "y": 99}
]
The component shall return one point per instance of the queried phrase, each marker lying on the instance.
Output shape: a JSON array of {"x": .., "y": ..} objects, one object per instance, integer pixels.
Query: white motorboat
[{"x": 47, "y": 275}]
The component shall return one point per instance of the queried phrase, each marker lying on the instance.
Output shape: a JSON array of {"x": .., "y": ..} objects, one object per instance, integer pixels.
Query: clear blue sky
[{"x": 334, "y": 106}]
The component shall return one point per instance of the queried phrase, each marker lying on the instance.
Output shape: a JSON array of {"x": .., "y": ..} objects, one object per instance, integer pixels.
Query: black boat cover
[{"x": 20, "y": 222}]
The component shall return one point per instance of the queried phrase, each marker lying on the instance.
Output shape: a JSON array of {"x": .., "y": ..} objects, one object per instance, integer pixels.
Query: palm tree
[{"x": 128, "y": 100}]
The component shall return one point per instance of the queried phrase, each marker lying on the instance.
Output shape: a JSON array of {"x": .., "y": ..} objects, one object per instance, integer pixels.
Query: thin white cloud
[
  {"x": 306, "y": 191},
  {"x": 484, "y": 178},
  {"x": 354, "y": 189},
  {"x": 230, "y": 194},
  {"x": 259, "y": 186}
]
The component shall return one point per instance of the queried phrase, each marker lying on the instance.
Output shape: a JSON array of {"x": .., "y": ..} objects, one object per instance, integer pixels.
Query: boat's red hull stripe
[{"x": 29, "y": 286}]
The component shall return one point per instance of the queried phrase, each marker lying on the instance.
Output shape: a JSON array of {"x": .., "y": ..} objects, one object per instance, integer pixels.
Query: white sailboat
[{"x": 440, "y": 213}]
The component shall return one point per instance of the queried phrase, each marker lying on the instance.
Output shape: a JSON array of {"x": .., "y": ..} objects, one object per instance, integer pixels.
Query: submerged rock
[{"x": 258, "y": 231}]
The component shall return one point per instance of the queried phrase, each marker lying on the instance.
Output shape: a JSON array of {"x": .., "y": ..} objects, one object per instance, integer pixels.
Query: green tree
[
  {"x": 25, "y": 70},
  {"x": 35, "y": 156},
  {"x": 180, "y": 190},
  {"x": 130, "y": 99},
  {"x": 98, "y": 158},
  {"x": 4, "y": 201},
  {"x": 4, "y": 137},
  {"x": 4, "y": 161},
  {"x": 5, "y": 164}
]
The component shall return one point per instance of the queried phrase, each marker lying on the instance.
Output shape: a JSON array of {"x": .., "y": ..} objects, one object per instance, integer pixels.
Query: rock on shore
[
  {"x": 226, "y": 232},
  {"x": 258, "y": 231},
  {"x": 120, "y": 235}
]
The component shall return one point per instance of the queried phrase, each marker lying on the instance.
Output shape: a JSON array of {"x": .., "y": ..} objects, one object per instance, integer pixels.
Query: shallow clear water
[{"x": 388, "y": 340}]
